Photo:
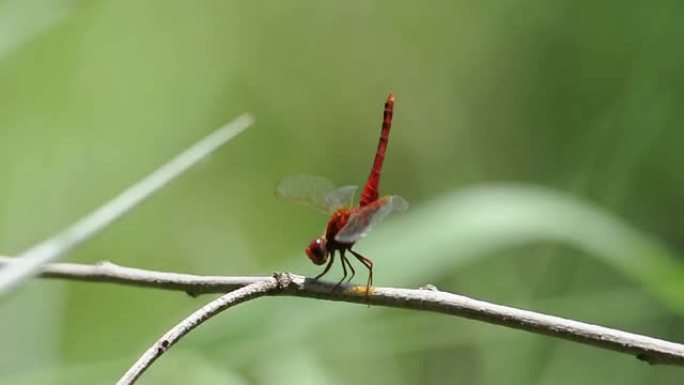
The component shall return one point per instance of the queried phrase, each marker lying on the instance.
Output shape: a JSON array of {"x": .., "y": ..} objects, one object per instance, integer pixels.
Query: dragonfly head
[{"x": 316, "y": 251}]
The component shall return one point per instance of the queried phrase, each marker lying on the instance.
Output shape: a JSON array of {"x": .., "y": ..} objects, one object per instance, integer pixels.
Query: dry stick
[
  {"x": 652, "y": 350},
  {"x": 30, "y": 261},
  {"x": 246, "y": 293}
]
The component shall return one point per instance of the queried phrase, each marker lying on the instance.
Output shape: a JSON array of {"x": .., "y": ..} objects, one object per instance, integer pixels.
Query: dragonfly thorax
[{"x": 336, "y": 223}]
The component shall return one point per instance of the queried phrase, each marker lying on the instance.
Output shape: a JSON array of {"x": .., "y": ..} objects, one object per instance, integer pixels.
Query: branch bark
[
  {"x": 246, "y": 293},
  {"x": 651, "y": 350}
]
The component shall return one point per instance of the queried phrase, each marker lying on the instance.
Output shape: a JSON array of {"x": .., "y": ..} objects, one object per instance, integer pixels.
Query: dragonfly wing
[
  {"x": 399, "y": 203},
  {"x": 363, "y": 220},
  {"x": 342, "y": 197},
  {"x": 308, "y": 189}
]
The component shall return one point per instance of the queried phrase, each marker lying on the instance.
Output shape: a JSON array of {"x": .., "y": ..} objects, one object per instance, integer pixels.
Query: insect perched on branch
[{"x": 347, "y": 223}]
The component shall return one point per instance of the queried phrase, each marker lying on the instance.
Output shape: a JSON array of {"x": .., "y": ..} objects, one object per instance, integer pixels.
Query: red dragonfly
[{"x": 347, "y": 224}]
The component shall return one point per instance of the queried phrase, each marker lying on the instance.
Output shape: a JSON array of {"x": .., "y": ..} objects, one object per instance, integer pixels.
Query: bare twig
[
  {"x": 105, "y": 271},
  {"x": 251, "y": 291},
  {"x": 29, "y": 262},
  {"x": 652, "y": 350}
]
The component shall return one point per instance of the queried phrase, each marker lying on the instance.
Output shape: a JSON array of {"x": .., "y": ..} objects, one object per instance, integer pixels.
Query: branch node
[
  {"x": 429, "y": 287},
  {"x": 105, "y": 264},
  {"x": 283, "y": 278}
]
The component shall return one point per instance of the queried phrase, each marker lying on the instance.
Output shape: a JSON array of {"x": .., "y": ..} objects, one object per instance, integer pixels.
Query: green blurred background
[{"x": 538, "y": 142}]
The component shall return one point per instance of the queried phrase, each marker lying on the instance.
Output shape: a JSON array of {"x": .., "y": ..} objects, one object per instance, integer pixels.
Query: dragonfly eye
[{"x": 316, "y": 251}]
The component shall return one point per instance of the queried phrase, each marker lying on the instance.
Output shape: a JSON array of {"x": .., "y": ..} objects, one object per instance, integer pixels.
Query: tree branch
[
  {"x": 246, "y": 293},
  {"x": 652, "y": 350}
]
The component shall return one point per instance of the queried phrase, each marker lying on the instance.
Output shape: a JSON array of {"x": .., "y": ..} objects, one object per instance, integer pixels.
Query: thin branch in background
[
  {"x": 30, "y": 261},
  {"x": 23, "y": 21},
  {"x": 651, "y": 350},
  {"x": 246, "y": 293}
]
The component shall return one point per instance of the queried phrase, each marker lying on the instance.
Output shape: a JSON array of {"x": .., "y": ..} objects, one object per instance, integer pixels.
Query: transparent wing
[
  {"x": 315, "y": 191},
  {"x": 342, "y": 197},
  {"x": 307, "y": 189},
  {"x": 362, "y": 220}
]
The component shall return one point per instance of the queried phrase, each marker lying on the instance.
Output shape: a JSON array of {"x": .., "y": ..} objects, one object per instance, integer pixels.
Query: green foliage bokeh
[{"x": 538, "y": 142}]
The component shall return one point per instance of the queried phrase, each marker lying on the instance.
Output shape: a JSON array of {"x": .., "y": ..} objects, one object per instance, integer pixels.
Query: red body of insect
[{"x": 347, "y": 224}]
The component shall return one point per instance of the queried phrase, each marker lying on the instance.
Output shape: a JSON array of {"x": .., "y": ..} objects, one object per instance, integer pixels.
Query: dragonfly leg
[
  {"x": 344, "y": 269},
  {"x": 344, "y": 259},
  {"x": 327, "y": 267},
  {"x": 369, "y": 265}
]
